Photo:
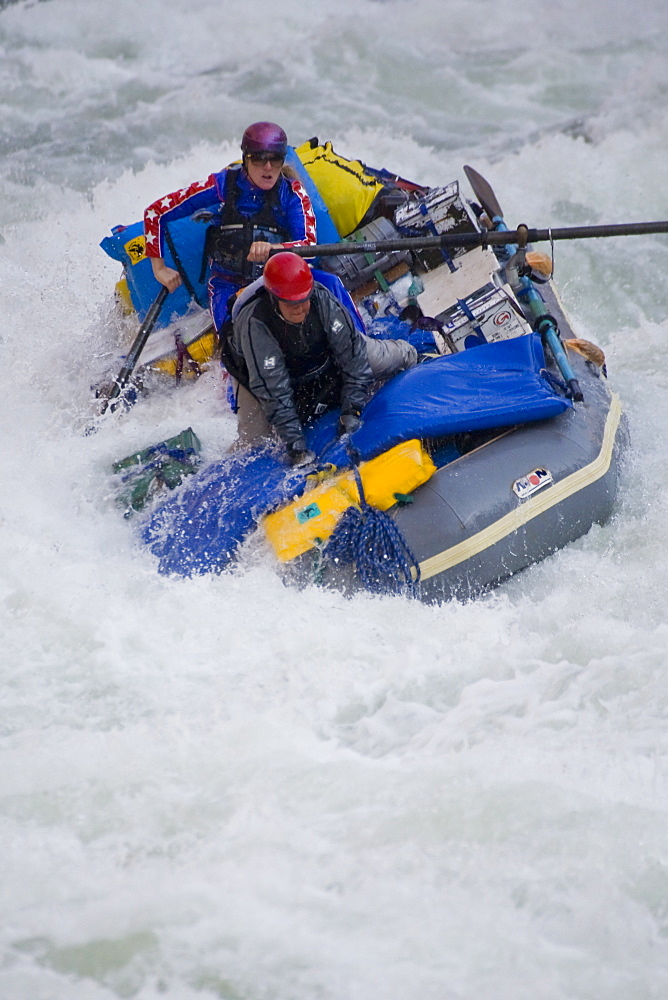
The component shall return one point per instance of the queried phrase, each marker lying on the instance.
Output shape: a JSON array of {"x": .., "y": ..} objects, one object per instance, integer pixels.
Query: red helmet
[
  {"x": 264, "y": 137},
  {"x": 288, "y": 277}
]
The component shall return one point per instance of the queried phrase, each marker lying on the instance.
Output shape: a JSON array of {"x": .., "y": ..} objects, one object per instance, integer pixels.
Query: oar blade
[
  {"x": 483, "y": 192},
  {"x": 119, "y": 392}
]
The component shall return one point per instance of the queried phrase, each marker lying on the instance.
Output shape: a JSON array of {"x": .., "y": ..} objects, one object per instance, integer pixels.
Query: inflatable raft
[
  {"x": 501, "y": 446},
  {"x": 508, "y": 497}
]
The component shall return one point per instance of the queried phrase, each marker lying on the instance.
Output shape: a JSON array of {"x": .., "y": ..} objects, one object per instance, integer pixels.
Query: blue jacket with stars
[{"x": 294, "y": 210}]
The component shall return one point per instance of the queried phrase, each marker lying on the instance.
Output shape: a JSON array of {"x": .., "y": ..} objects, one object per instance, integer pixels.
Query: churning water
[{"x": 223, "y": 789}]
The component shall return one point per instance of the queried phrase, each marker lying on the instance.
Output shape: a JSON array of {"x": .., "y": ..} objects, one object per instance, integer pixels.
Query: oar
[
  {"x": 138, "y": 346},
  {"x": 483, "y": 192},
  {"x": 484, "y": 239}
]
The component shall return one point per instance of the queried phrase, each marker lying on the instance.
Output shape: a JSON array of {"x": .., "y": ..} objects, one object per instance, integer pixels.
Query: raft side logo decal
[
  {"x": 527, "y": 485},
  {"x": 136, "y": 249}
]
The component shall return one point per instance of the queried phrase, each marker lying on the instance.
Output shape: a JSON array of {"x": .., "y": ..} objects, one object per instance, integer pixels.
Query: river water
[{"x": 225, "y": 789}]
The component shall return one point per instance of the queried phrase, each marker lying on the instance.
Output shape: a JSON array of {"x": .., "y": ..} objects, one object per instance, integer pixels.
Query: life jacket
[
  {"x": 228, "y": 243},
  {"x": 315, "y": 379}
]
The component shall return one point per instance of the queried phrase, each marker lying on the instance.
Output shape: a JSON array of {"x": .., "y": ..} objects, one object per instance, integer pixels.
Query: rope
[
  {"x": 369, "y": 540},
  {"x": 178, "y": 264},
  {"x": 554, "y": 381},
  {"x": 184, "y": 356}
]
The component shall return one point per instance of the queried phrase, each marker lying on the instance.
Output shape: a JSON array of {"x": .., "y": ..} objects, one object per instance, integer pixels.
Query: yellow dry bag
[{"x": 346, "y": 186}]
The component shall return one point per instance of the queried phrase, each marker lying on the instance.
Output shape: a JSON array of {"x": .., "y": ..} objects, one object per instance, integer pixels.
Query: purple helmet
[{"x": 264, "y": 137}]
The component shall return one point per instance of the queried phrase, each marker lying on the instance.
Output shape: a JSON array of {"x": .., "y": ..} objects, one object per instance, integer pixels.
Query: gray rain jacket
[{"x": 296, "y": 372}]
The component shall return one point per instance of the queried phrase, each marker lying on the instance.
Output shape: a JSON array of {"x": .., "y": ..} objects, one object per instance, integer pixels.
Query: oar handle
[
  {"x": 582, "y": 232},
  {"x": 484, "y": 239}
]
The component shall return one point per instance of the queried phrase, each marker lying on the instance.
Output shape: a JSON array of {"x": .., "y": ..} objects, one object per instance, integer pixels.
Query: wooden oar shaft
[{"x": 484, "y": 239}]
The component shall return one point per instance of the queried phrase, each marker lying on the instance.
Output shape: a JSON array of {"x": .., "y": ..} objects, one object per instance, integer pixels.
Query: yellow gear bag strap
[{"x": 346, "y": 187}]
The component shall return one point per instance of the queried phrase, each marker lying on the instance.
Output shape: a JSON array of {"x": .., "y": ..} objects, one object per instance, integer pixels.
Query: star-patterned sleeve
[
  {"x": 301, "y": 217},
  {"x": 178, "y": 205}
]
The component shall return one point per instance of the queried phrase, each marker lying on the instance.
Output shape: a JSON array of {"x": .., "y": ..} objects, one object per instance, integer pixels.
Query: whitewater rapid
[{"x": 222, "y": 788}]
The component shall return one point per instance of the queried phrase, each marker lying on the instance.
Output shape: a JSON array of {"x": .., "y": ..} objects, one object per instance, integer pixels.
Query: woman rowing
[{"x": 250, "y": 207}]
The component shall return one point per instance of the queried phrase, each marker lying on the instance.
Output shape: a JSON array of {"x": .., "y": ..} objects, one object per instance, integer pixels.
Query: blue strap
[
  {"x": 434, "y": 231},
  {"x": 468, "y": 312}
]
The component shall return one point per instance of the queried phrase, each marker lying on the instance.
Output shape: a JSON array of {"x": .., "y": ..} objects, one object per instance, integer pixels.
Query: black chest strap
[{"x": 229, "y": 242}]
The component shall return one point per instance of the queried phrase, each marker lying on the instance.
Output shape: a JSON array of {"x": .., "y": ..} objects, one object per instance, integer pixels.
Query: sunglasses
[{"x": 259, "y": 159}]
